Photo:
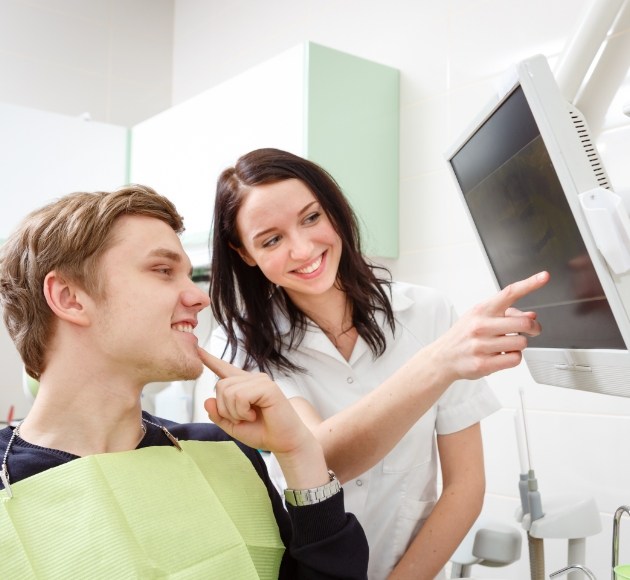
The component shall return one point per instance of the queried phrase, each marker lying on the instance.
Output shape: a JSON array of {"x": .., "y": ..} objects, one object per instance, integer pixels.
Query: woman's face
[{"x": 285, "y": 232}]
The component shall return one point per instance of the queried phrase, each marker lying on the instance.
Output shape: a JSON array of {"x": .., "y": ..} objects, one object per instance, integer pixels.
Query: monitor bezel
[{"x": 584, "y": 369}]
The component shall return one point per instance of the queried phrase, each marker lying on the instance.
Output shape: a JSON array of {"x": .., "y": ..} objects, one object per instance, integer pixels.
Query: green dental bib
[{"x": 150, "y": 513}]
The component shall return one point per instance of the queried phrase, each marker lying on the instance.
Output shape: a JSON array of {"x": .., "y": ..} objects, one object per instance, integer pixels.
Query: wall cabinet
[{"x": 338, "y": 110}]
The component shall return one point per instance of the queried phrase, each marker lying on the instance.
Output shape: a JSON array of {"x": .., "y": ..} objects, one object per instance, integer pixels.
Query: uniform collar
[
  {"x": 399, "y": 300},
  {"x": 314, "y": 337}
]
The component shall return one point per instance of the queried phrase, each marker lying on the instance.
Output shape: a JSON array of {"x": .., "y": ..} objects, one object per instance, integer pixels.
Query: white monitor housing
[{"x": 539, "y": 199}]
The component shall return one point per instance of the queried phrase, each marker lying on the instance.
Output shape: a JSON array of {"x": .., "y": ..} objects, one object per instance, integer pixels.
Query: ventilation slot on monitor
[{"x": 579, "y": 122}]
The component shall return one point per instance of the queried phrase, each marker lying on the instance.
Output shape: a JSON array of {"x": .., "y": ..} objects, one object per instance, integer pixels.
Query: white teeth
[
  {"x": 310, "y": 268},
  {"x": 183, "y": 327}
]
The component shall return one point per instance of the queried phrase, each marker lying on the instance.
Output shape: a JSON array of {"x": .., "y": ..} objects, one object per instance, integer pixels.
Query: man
[{"x": 97, "y": 296}]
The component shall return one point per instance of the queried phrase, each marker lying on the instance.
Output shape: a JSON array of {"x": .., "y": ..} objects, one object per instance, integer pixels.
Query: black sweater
[{"x": 322, "y": 540}]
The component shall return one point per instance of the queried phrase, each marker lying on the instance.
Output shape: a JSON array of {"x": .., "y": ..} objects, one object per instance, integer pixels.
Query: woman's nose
[{"x": 301, "y": 248}]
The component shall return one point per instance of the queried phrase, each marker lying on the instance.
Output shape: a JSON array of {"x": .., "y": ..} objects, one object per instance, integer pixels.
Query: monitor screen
[
  {"x": 526, "y": 225},
  {"x": 520, "y": 170}
]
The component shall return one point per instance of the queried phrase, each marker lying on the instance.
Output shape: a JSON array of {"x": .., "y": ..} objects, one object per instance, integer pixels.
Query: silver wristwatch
[{"x": 298, "y": 497}]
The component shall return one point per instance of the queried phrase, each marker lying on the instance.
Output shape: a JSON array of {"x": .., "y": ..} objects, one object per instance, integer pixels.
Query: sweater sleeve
[{"x": 323, "y": 541}]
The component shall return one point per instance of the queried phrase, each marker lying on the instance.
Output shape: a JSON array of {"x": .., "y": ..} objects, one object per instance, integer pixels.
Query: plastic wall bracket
[{"x": 609, "y": 223}]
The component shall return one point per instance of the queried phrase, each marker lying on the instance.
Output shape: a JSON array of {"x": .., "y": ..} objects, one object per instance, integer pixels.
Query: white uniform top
[{"x": 393, "y": 499}]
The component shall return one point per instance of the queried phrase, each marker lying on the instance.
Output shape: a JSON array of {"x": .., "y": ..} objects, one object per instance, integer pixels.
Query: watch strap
[{"x": 300, "y": 497}]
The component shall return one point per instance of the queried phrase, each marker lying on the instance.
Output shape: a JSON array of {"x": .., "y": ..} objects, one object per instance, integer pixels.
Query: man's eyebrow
[
  {"x": 165, "y": 253},
  {"x": 169, "y": 255}
]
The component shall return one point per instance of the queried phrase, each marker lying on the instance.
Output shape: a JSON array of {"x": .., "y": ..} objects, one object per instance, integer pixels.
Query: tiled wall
[{"x": 451, "y": 55}]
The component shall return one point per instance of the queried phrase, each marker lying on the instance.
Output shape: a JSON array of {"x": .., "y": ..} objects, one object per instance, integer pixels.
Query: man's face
[{"x": 143, "y": 327}]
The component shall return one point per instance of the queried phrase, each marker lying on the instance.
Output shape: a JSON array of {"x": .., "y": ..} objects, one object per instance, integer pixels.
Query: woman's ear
[
  {"x": 242, "y": 252},
  {"x": 66, "y": 299}
]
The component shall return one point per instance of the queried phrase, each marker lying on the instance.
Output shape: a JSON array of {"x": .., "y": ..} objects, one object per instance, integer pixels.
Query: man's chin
[
  {"x": 192, "y": 372},
  {"x": 189, "y": 370}
]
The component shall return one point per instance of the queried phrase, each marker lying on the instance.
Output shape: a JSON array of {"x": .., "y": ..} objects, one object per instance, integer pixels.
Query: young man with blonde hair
[{"x": 97, "y": 296}]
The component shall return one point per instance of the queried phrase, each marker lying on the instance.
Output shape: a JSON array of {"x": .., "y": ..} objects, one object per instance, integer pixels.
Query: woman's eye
[
  {"x": 312, "y": 217},
  {"x": 271, "y": 242},
  {"x": 164, "y": 270}
]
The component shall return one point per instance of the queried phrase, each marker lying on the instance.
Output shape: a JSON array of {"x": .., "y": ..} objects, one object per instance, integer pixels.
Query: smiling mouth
[
  {"x": 182, "y": 327},
  {"x": 311, "y": 267}
]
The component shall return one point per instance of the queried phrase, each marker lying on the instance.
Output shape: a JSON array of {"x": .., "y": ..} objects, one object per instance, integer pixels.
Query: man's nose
[{"x": 195, "y": 297}]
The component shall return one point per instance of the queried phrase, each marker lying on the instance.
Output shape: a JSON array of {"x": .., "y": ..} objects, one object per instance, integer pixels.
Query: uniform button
[
  {"x": 350, "y": 380},
  {"x": 359, "y": 482}
]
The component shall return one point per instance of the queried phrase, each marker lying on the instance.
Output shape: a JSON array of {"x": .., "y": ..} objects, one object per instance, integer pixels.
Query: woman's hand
[{"x": 491, "y": 336}]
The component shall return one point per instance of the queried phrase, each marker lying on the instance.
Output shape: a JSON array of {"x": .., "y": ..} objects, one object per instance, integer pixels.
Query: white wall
[
  {"x": 111, "y": 58},
  {"x": 451, "y": 54},
  {"x": 60, "y": 59}
]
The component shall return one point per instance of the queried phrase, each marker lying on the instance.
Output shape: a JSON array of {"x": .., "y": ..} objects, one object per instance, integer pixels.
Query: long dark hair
[{"x": 243, "y": 299}]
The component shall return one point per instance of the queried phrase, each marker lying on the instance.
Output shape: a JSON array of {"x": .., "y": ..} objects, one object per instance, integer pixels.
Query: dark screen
[{"x": 526, "y": 225}]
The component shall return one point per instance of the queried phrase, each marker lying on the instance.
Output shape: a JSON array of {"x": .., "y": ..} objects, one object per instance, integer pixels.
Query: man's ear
[
  {"x": 242, "y": 252},
  {"x": 66, "y": 299}
]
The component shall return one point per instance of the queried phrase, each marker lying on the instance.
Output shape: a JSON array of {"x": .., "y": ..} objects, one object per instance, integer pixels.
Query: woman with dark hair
[{"x": 375, "y": 368}]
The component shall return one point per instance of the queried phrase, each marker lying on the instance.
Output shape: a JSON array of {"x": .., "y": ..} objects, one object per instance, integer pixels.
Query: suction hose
[{"x": 536, "y": 557}]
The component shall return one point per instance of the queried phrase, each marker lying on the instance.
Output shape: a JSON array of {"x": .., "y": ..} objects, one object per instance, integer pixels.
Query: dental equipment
[
  {"x": 584, "y": 569},
  {"x": 569, "y": 517},
  {"x": 615, "y": 540},
  {"x": 530, "y": 498}
]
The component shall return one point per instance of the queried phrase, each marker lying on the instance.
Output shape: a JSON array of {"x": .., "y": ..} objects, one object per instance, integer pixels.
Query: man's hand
[{"x": 251, "y": 408}]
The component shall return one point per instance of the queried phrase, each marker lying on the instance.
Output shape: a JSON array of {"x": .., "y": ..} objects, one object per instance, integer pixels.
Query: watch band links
[{"x": 300, "y": 497}]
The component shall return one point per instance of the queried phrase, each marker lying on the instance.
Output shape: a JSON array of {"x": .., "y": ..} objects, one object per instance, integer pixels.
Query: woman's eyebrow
[{"x": 269, "y": 230}]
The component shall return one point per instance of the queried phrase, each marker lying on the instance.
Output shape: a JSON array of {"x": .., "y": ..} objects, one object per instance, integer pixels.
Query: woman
[{"x": 361, "y": 358}]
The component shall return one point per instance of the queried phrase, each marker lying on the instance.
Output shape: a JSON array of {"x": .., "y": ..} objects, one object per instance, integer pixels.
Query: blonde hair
[{"x": 68, "y": 235}]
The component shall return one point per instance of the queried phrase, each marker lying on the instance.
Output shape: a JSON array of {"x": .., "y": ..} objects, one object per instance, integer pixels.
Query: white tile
[
  {"x": 458, "y": 270},
  {"x": 432, "y": 214},
  {"x": 569, "y": 451},
  {"x": 613, "y": 148},
  {"x": 488, "y": 36},
  {"x": 423, "y": 138}
]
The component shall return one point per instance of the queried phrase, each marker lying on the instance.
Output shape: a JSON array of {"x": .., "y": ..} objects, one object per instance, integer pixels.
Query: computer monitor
[{"x": 520, "y": 169}]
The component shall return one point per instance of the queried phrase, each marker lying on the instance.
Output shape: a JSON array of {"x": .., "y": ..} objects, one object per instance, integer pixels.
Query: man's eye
[{"x": 166, "y": 271}]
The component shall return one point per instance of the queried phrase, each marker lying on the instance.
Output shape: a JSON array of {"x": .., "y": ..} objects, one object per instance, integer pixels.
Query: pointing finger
[
  {"x": 515, "y": 291},
  {"x": 218, "y": 366}
]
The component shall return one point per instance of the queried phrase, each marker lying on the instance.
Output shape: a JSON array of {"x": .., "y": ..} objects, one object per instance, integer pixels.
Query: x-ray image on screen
[{"x": 526, "y": 225}]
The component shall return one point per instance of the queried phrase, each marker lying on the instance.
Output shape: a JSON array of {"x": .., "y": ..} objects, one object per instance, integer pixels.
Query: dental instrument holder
[
  {"x": 522, "y": 489},
  {"x": 573, "y": 518},
  {"x": 615, "y": 539},
  {"x": 488, "y": 543}
]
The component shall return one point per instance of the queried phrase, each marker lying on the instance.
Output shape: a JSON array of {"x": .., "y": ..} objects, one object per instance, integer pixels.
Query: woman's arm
[
  {"x": 488, "y": 338},
  {"x": 461, "y": 458}
]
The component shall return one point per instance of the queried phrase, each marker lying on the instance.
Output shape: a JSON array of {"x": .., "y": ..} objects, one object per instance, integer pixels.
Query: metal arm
[
  {"x": 615, "y": 541},
  {"x": 583, "y": 569}
]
